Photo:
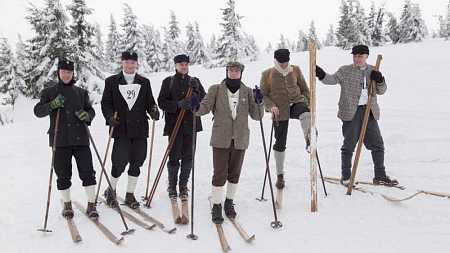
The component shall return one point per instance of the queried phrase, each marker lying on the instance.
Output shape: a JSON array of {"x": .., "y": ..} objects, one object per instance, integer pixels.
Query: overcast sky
[{"x": 265, "y": 19}]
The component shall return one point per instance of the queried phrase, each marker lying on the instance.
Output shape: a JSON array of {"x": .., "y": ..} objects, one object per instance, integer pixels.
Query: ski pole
[{"x": 55, "y": 134}]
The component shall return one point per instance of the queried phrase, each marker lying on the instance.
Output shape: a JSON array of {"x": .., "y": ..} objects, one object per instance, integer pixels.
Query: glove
[
  {"x": 154, "y": 113},
  {"x": 320, "y": 73},
  {"x": 114, "y": 121},
  {"x": 83, "y": 116},
  {"x": 195, "y": 102},
  {"x": 258, "y": 95},
  {"x": 57, "y": 103},
  {"x": 184, "y": 104},
  {"x": 376, "y": 76}
]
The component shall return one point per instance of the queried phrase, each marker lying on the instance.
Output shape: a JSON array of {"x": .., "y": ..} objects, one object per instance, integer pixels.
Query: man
[
  {"x": 172, "y": 99},
  {"x": 232, "y": 103},
  {"x": 130, "y": 96},
  {"x": 75, "y": 111},
  {"x": 354, "y": 80},
  {"x": 286, "y": 96}
]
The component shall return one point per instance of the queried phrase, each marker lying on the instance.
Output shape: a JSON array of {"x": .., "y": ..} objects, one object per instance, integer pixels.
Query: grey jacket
[
  {"x": 350, "y": 78},
  {"x": 225, "y": 129}
]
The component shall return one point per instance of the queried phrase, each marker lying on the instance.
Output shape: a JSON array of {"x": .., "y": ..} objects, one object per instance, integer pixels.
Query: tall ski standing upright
[{"x": 313, "y": 136}]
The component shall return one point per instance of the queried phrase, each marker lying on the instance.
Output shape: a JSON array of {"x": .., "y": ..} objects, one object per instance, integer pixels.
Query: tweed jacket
[
  {"x": 225, "y": 129},
  {"x": 350, "y": 78}
]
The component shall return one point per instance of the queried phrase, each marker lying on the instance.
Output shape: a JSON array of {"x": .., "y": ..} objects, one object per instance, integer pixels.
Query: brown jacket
[
  {"x": 225, "y": 129},
  {"x": 283, "y": 91},
  {"x": 350, "y": 78}
]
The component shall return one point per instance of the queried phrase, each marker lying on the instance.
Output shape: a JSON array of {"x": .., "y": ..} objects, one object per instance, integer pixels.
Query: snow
[{"x": 415, "y": 125}]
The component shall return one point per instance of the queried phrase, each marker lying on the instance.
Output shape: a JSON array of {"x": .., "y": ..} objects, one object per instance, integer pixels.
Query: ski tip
[
  {"x": 251, "y": 239},
  {"x": 170, "y": 231},
  {"x": 120, "y": 240},
  {"x": 78, "y": 239}
]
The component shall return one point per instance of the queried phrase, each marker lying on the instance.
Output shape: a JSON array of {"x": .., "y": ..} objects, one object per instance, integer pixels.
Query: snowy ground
[{"x": 415, "y": 124}]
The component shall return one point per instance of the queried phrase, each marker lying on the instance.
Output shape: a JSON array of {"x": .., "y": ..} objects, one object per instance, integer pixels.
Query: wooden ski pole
[
  {"x": 111, "y": 130},
  {"x": 55, "y": 134},
  {"x": 150, "y": 159}
]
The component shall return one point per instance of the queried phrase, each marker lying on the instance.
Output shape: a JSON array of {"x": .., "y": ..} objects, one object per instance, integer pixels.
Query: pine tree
[
  {"x": 113, "y": 50},
  {"x": 174, "y": 32},
  {"x": 412, "y": 26},
  {"x": 10, "y": 81},
  {"x": 330, "y": 40},
  {"x": 302, "y": 42},
  {"x": 353, "y": 28},
  {"x": 152, "y": 47},
  {"x": 167, "y": 54},
  {"x": 392, "y": 29},
  {"x": 197, "y": 50},
  {"x": 378, "y": 34},
  {"x": 132, "y": 38},
  {"x": 87, "y": 62},
  {"x": 230, "y": 42},
  {"x": 283, "y": 43},
  {"x": 363, "y": 35},
  {"x": 269, "y": 48},
  {"x": 447, "y": 26},
  {"x": 50, "y": 41},
  {"x": 372, "y": 18},
  {"x": 313, "y": 35},
  {"x": 99, "y": 46}
]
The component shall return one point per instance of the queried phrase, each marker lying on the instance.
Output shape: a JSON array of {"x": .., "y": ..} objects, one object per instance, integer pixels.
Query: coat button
[
  {"x": 68, "y": 125},
  {"x": 78, "y": 138}
]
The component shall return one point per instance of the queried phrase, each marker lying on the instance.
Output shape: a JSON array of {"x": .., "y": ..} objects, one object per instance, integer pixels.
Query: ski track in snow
[{"x": 415, "y": 124}]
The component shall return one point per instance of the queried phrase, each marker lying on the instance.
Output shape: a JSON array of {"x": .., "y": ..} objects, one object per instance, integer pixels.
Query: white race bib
[{"x": 130, "y": 93}]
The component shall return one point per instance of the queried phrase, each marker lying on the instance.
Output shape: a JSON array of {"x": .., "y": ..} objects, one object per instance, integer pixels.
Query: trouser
[
  {"x": 128, "y": 151},
  {"x": 227, "y": 165},
  {"x": 180, "y": 154},
  {"x": 373, "y": 141},
  {"x": 63, "y": 166}
]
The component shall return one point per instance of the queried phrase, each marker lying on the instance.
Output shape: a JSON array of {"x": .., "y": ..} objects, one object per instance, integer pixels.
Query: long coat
[
  {"x": 174, "y": 89},
  {"x": 71, "y": 130},
  {"x": 132, "y": 123}
]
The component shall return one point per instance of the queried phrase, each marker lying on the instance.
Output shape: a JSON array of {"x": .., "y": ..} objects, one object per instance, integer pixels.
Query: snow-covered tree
[
  {"x": 166, "y": 52},
  {"x": 302, "y": 42},
  {"x": 82, "y": 33},
  {"x": 330, "y": 39},
  {"x": 392, "y": 28},
  {"x": 312, "y": 35},
  {"x": 50, "y": 41},
  {"x": 99, "y": 46},
  {"x": 113, "y": 47},
  {"x": 174, "y": 33},
  {"x": 132, "y": 38},
  {"x": 10, "y": 80},
  {"x": 412, "y": 26},
  {"x": 231, "y": 41},
  {"x": 195, "y": 46},
  {"x": 269, "y": 48},
  {"x": 283, "y": 43},
  {"x": 250, "y": 48},
  {"x": 152, "y": 47},
  {"x": 378, "y": 33},
  {"x": 353, "y": 28},
  {"x": 444, "y": 24}
]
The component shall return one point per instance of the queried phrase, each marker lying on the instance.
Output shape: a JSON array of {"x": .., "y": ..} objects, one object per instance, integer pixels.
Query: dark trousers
[
  {"x": 128, "y": 151},
  {"x": 180, "y": 154},
  {"x": 63, "y": 166},
  {"x": 281, "y": 131},
  {"x": 227, "y": 165},
  {"x": 373, "y": 141}
]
